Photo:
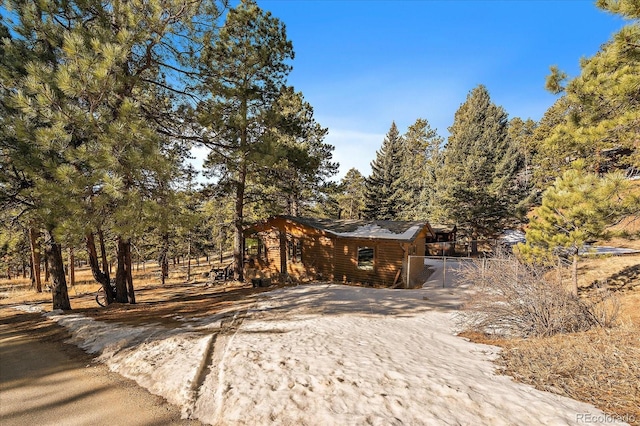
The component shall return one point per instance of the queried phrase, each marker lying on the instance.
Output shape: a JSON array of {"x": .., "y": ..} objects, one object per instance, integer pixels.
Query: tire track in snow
[
  {"x": 201, "y": 374},
  {"x": 210, "y": 384}
]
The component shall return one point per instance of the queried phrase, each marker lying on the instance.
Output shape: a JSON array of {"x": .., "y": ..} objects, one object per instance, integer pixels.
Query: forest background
[{"x": 102, "y": 104}]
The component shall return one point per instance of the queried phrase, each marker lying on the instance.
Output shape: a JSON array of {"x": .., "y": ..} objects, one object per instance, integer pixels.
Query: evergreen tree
[
  {"x": 416, "y": 186},
  {"x": 478, "y": 167},
  {"x": 351, "y": 197},
  {"x": 548, "y": 160},
  {"x": 601, "y": 106},
  {"x": 245, "y": 71},
  {"x": 302, "y": 160},
  {"x": 380, "y": 186},
  {"x": 579, "y": 207},
  {"x": 90, "y": 116},
  {"x": 521, "y": 134}
]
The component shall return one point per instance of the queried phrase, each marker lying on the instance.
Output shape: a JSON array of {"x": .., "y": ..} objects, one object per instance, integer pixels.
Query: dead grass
[
  {"x": 600, "y": 367},
  {"x": 614, "y": 271},
  {"x": 82, "y": 294}
]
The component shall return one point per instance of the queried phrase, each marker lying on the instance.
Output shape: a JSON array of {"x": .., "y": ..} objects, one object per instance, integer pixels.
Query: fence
[
  {"x": 444, "y": 271},
  {"x": 434, "y": 271},
  {"x": 465, "y": 248}
]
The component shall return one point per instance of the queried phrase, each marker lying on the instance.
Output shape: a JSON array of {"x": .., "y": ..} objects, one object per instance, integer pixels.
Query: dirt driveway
[{"x": 44, "y": 381}]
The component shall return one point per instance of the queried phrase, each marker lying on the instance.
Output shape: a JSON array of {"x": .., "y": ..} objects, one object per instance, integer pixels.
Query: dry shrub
[
  {"x": 513, "y": 299},
  {"x": 601, "y": 367}
]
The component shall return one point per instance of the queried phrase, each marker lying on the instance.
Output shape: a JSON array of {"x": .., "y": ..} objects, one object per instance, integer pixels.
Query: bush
[{"x": 509, "y": 298}]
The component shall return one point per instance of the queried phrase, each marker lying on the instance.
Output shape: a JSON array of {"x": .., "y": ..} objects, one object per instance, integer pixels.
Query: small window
[
  {"x": 294, "y": 252},
  {"x": 262, "y": 250},
  {"x": 365, "y": 258}
]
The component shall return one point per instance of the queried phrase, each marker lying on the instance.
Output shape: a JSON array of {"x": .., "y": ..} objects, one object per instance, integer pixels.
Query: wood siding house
[{"x": 357, "y": 251}]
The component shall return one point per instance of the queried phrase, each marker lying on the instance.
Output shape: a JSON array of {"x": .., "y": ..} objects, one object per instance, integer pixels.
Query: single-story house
[{"x": 358, "y": 251}]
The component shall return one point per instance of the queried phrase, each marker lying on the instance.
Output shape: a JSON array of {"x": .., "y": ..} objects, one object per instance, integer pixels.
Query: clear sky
[{"x": 363, "y": 64}]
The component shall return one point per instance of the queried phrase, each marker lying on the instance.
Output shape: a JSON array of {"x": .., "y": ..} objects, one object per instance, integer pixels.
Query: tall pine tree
[
  {"x": 380, "y": 186},
  {"x": 245, "y": 72},
  {"x": 601, "y": 106},
  {"x": 351, "y": 197},
  {"x": 420, "y": 160},
  {"x": 302, "y": 160},
  {"x": 91, "y": 115},
  {"x": 477, "y": 169}
]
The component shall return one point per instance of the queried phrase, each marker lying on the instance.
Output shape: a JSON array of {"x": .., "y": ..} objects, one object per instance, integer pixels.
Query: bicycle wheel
[{"x": 101, "y": 297}]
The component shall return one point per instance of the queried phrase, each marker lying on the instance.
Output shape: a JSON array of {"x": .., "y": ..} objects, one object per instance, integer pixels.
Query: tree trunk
[
  {"x": 59, "y": 291},
  {"x": 100, "y": 276},
  {"x": 35, "y": 259},
  {"x": 574, "y": 273},
  {"x": 121, "y": 272},
  {"x": 164, "y": 258},
  {"x": 221, "y": 246},
  {"x": 189, "y": 260},
  {"x": 238, "y": 255},
  {"x": 473, "y": 244},
  {"x": 31, "y": 276},
  {"x": 46, "y": 266},
  {"x": 106, "y": 267},
  {"x": 72, "y": 268},
  {"x": 293, "y": 205},
  {"x": 283, "y": 252},
  {"x": 130, "y": 293}
]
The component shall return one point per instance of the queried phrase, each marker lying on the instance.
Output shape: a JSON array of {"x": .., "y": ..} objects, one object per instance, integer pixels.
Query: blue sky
[{"x": 362, "y": 64}]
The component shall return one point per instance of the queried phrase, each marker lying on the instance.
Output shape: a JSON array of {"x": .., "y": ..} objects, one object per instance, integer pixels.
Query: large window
[
  {"x": 254, "y": 247},
  {"x": 251, "y": 246},
  {"x": 365, "y": 258}
]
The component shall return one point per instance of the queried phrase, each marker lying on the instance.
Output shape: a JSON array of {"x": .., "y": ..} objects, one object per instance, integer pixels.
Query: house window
[
  {"x": 294, "y": 250},
  {"x": 251, "y": 246},
  {"x": 365, "y": 258},
  {"x": 254, "y": 247}
]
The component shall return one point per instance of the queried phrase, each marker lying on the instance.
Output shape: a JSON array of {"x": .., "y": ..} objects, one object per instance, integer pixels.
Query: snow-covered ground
[{"x": 326, "y": 355}]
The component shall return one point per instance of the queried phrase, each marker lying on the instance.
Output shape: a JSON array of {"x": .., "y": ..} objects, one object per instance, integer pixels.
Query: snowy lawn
[{"x": 326, "y": 355}]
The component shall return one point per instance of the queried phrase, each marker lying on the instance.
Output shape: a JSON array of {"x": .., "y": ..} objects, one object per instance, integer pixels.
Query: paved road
[{"x": 44, "y": 381}]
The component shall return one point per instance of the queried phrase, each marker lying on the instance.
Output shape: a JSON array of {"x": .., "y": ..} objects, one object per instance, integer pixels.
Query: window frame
[
  {"x": 294, "y": 250},
  {"x": 367, "y": 264}
]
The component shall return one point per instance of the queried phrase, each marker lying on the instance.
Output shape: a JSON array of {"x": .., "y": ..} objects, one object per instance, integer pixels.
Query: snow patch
[
  {"x": 326, "y": 355},
  {"x": 29, "y": 308},
  {"x": 166, "y": 362},
  {"x": 376, "y": 231}
]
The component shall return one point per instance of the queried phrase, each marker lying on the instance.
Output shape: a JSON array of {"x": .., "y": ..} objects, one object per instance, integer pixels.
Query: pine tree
[
  {"x": 421, "y": 158},
  {"x": 476, "y": 174},
  {"x": 521, "y": 135},
  {"x": 91, "y": 117},
  {"x": 380, "y": 186},
  {"x": 245, "y": 70},
  {"x": 579, "y": 207},
  {"x": 548, "y": 160},
  {"x": 600, "y": 107},
  {"x": 302, "y": 161},
  {"x": 351, "y": 197}
]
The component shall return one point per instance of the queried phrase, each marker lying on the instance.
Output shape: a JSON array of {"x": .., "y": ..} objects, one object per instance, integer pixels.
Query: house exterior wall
[
  {"x": 329, "y": 257},
  {"x": 318, "y": 257},
  {"x": 387, "y": 261}
]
